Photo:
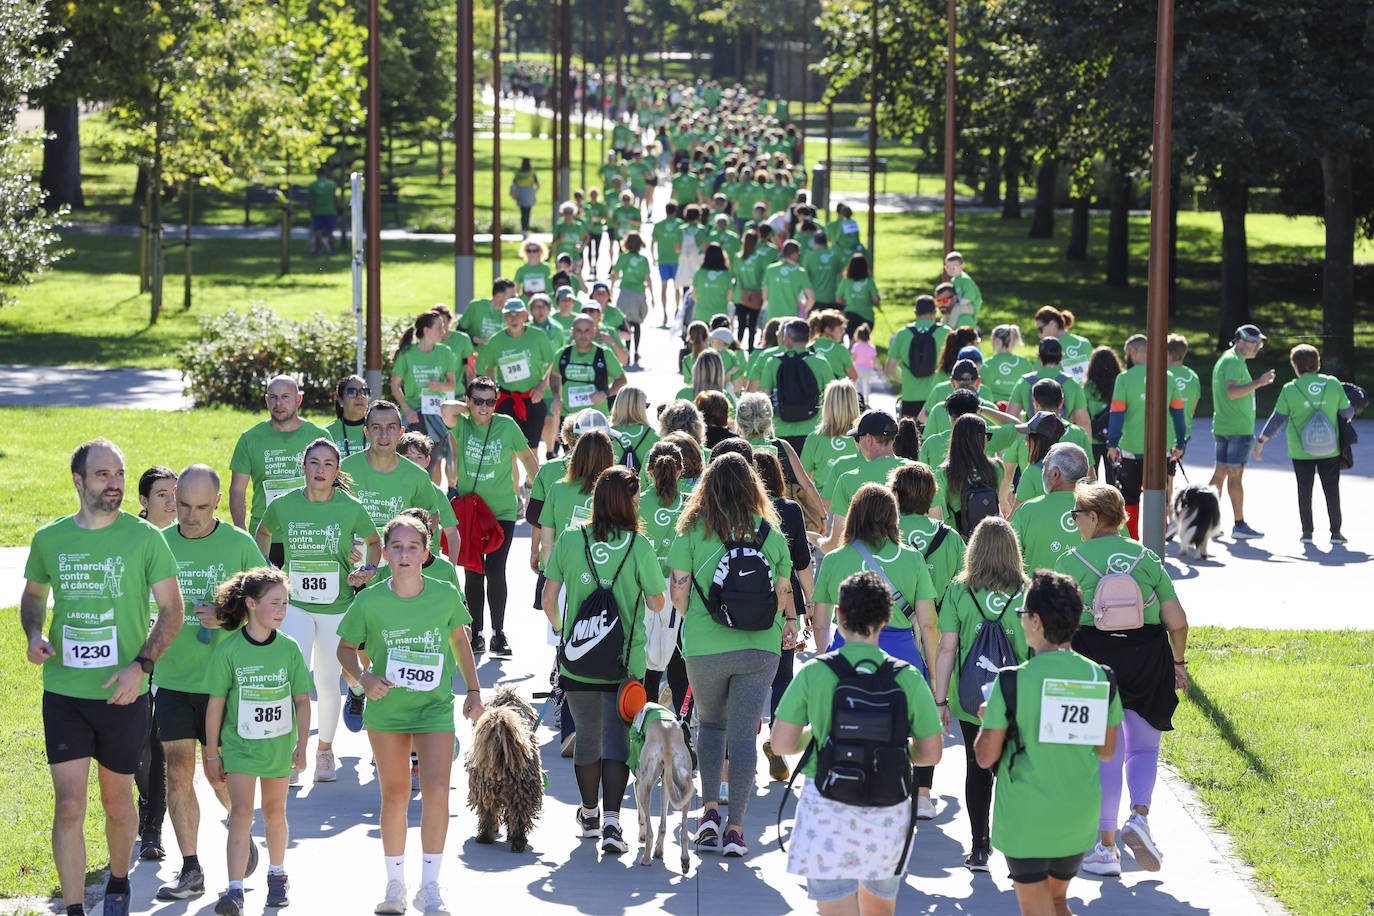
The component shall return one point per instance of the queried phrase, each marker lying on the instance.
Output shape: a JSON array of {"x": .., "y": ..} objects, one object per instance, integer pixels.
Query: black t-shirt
[{"x": 794, "y": 529}]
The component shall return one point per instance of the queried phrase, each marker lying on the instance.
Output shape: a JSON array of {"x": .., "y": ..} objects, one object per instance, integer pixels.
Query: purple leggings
[{"x": 1137, "y": 748}]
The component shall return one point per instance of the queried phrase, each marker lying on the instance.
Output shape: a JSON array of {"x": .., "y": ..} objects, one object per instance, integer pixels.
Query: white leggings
[{"x": 318, "y": 634}]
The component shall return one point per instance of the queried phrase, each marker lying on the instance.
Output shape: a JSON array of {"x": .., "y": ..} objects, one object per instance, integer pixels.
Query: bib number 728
[{"x": 1076, "y": 715}]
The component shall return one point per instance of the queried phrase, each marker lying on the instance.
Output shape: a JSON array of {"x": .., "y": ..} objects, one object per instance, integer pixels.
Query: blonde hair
[
  {"x": 708, "y": 372},
  {"x": 993, "y": 558},
  {"x": 682, "y": 416},
  {"x": 839, "y": 408},
  {"x": 1103, "y": 499},
  {"x": 754, "y": 415},
  {"x": 1008, "y": 335},
  {"x": 631, "y": 406}
]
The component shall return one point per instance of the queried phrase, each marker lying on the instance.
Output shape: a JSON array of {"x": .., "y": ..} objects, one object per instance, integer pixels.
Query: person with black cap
[
  {"x": 874, "y": 434},
  {"x": 941, "y": 391},
  {"x": 965, "y": 375},
  {"x": 961, "y": 401},
  {"x": 1233, "y": 419},
  {"x": 913, "y": 357}
]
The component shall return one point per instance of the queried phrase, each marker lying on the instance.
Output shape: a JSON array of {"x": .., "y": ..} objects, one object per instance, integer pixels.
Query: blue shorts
[
  {"x": 822, "y": 890},
  {"x": 667, "y": 271},
  {"x": 1234, "y": 451},
  {"x": 324, "y": 222}
]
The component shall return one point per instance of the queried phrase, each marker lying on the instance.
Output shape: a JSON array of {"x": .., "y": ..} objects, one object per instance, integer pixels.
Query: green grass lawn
[{"x": 1275, "y": 737}]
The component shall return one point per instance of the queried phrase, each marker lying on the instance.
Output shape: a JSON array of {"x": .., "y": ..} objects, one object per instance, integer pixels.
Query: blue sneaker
[
  {"x": 708, "y": 832},
  {"x": 353, "y": 711},
  {"x": 116, "y": 904},
  {"x": 1243, "y": 532}
]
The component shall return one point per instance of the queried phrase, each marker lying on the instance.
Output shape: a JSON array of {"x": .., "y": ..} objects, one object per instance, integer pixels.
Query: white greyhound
[{"x": 665, "y": 756}]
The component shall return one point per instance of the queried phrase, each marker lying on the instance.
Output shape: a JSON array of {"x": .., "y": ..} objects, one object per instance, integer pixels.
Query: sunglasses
[
  {"x": 481, "y": 402},
  {"x": 357, "y": 392},
  {"x": 1075, "y": 512}
]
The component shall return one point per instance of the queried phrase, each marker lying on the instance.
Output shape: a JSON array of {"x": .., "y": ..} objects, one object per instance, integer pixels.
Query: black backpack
[
  {"x": 864, "y": 758},
  {"x": 597, "y": 648},
  {"x": 742, "y": 595},
  {"x": 600, "y": 375},
  {"x": 1006, "y": 683},
  {"x": 631, "y": 458},
  {"x": 920, "y": 352},
  {"x": 977, "y": 502},
  {"x": 990, "y": 653},
  {"x": 797, "y": 396}
]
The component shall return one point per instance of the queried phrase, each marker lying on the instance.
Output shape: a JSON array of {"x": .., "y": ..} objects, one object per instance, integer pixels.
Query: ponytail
[
  {"x": 665, "y": 469},
  {"x": 423, "y": 322},
  {"x": 231, "y": 599}
]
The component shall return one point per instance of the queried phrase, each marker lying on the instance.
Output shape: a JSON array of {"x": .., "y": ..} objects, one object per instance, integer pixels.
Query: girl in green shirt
[
  {"x": 857, "y": 294},
  {"x": 1005, "y": 367},
  {"x": 533, "y": 276},
  {"x": 967, "y": 466},
  {"x": 713, "y": 285}
]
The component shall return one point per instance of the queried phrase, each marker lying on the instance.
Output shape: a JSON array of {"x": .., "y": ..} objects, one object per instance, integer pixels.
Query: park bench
[{"x": 858, "y": 165}]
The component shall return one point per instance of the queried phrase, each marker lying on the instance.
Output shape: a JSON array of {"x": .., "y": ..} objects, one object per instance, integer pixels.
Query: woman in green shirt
[
  {"x": 534, "y": 275},
  {"x": 832, "y": 440},
  {"x": 660, "y": 504},
  {"x": 596, "y": 213},
  {"x": 568, "y": 503},
  {"x": 1103, "y": 368},
  {"x": 636, "y": 300},
  {"x": 827, "y": 333},
  {"x": 857, "y": 294},
  {"x": 424, "y": 375},
  {"x": 987, "y": 592},
  {"x": 351, "y": 396},
  {"x": 713, "y": 285},
  {"x": 914, "y": 487},
  {"x": 1005, "y": 366},
  {"x": 966, "y": 467},
  {"x": 749, "y": 280}
]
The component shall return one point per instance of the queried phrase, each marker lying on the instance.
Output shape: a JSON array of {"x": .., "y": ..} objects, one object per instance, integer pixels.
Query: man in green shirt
[
  {"x": 786, "y": 287},
  {"x": 384, "y": 482},
  {"x": 874, "y": 434},
  {"x": 585, "y": 374},
  {"x": 823, "y": 265},
  {"x": 666, "y": 241},
  {"x": 324, "y": 208},
  {"x": 793, "y": 336},
  {"x": 1044, "y": 526},
  {"x": 916, "y": 388},
  {"x": 1233, "y": 419},
  {"x": 100, "y": 566},
  {"x": 1126, "y": 429},
  {"x": 268, "y": 455},
  {"x": 519, "y": 361},
  {"x": 482, "y": 318},
  {"x": 1075, "y": 405}
]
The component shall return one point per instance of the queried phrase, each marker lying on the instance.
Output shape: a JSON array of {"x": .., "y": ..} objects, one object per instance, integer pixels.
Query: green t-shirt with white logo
[
  {"x": 565, "y": 506},
  {"x": 516, "y": 363},
  {"x": 318, "y": 540},
  {"x": 712, "y": 289},
  {"x": 1018, "y": 453},
  {"x": 408, "y": 641},
  {"x": 918, "y": 533},
  {"x": 1113, "y": 553},
  {"x": 633, "y": 270},
  {"x": 660, "y": 520},
  {"x": 835, "y": 353},
  {"x": 1187, "y": 387},
  {"x": 1046, "y": 530},
  {"x": 100, "y": 583},
  {"x": 484, "y": 461},
  {"x": 857, "y": 296},
  {"x": 899, "y": 348},
  {"x": 1232, "y": 416},
  {"x": 820, "y": 453},
  {"x": 481, "y": 321},
  {"x": 638, "y": 437},
  {"x": 783, "y": 285},
  {"x": 1303, "y": 397},
  {"x": 902, "y": 565},
  {"x": 416, "y": 369},
  {"x": 533, "y": 278},
  {"x": 1001, "y": 372},
  {"x": 965, "y": 612},
  {"x": 1130, "y": 389},
  {"x": 259, "y": 683},
  {"x": 845, "y": 485},
  {"x": 387, "y": 495},
  {"x": 567, "y": 237},
  {"x": 1077, "y": 351},
  {"x": 203, "y": 565},
  {"x": 272, "y": 461},
  {"x": 823, "y": 266},
  {"x": 1074, "y": 398},
  {"x": 579, "y": 378},
  {"x": 667, "y": 235}
]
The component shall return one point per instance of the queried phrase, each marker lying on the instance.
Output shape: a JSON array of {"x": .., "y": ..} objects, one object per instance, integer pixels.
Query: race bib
[
  {"x": 1073, "y": 712},
  {"x": 515, "y": 367},
  {"x": 850, "y": 227},
  {"x": 264, "y": 712},
  {"x": 314, "y": 581},
  {"x": 1078, "y": 371},
  {"x": 580, "y": 395},
  {"x": 414, "y": 670},
  {"x": 274, "y": 488},
  {"x": 580, "y": 516},
  {"x": 534, "y": 284},
  {"x": 429, "y": 403},
  {"x": 93, "y": 647}
]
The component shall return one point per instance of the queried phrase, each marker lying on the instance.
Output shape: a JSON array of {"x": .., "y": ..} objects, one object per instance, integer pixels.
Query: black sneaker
[
  {"x": 499, "y": 646},
  {"x": 230, "y": 903},
  {"x": 277, "y": 887},
  {"x": 588, "y": 825},
  {"x": 612, "y": 841},
  {"x": 190, "y": 883},
  {"x": 150, "y": 846},
  {"x": 708, "y": 832},
  {"x": 479, "y": 645},
  {"x": 978, "y": 859},
  {"x": 353, "y": 711}
]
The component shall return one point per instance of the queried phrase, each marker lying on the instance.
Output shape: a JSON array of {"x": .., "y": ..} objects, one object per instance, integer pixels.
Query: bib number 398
[
  {"x": 89, "y": 648},
  {"x": 414, "y": 670},
  {"x": 1073, "y": 712}
]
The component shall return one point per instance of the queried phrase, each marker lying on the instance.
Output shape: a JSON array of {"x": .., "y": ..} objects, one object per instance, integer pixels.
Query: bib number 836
[
  {"x": 1077, "y": 715},
  {"x": 314, "y": 583},
  {"x": 268, "y": 714}
]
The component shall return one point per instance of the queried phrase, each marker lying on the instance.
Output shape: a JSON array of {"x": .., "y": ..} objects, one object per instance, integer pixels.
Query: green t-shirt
[
  {"x": 1074, "y": 398},
  {"x": 321, "y": 193},
  {"x": 712, "y": 289},
  {"x": 751, "y": 270},
  {"x": 819, "y": 454},
  {"x": 857, "y": 296},
  {"x": 667, "y": 235},
  {"x": 203, "y": 565},
  {"x": 437, "y": 567},
  {"x": 100, "y": 584},
  {"x": 1077, "y": 352},
  {"x": 1232, "y": 416},
  {"x": 951, "y": 502},
  {"x": 902, "y": 565},
  {"x": 845, "y": 485},
  {"x": 918, "y": 533},
  {"x": 349, "y": 437},
  {"x": 935, "y": 445},
  {"x": 768, "y": 381},
  {"x": 1188, "y": 388},
  {"x": 387, "y": 495},
  {"x": 1018, "y": 453},
  {"x": 416, "y": 369},
  {"x": 728, "y": 241},
  {"x": 259, "y": 683},
  {"x": 517, "y": 363},
  {"x": 1130, "y": 390},
  {"x": 965, "y": 611},
  {"x": 565, "y": 506},
  {"x": 1114, "y": 553},
  {"x": 1047, "y": 805},
  {"x": 533, "y": 278},
  {"x": 1045, "y": 528},
  {"x": 808, "y": 698},
  {"x": 660, "y": 520},
  {"x": 620, "y": 137},
  {"x": 447, "y": 518},
  {"x": 633, "y": 270},
  {"x": 625, "y": 219},
  {"x": 567, "y": 237},
  {"x": 965, "y": 288},
  {"x": 272, "y": 460},
  {"x": 480, "y": 321},
  {"x": 753, "y": 366},
  {"x": 685, "y": 189},
  {"x": 640, "y": 578},
  {"x": 552, "y": 470},
  {"x": 1302, "y": 398},
  {"x": 783, "y": 285},
  {"x": 596, "y": 214},
  {"x": 835, "y": 353},
  {"x": 408, "y": 641},
  {"x": 484, "y": 461},
  {"x": 637, "y": 437},
  {"x": 1001, "y": 372},
  {"x": 823, "y": 266},
  {"x": 318, "y": 540},
  {"x": 698, "y": 552},
  {"x": 844, "y": 235},
  {"x": 579, "y": 378},
  {"x": 899, "y": 348},
  {"x": 937, "y": 417},
  {"x": 558, "y": 336}
]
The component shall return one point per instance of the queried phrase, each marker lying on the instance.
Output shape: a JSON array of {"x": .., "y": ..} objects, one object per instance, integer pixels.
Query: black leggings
[
  {"x": 151, "y": 779},
  {"x": 594, "y": 251},
  {"x": 677, "y": 681},
  {"x": 491, "y": 585},
  {"x": 533, "y": 424},
  {"x": 633, "y": 328},
  {"x": 977, "y": 787},
  {"x": 525, "y": 218},
  {"x": 747, "y": 320},
  {"x": 781, "y": 679},
  {"x": 1329, "y": 470}
]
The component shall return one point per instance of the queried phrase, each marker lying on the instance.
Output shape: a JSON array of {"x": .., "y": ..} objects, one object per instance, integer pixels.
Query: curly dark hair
[
  {"x": 863, "y": 603},
  {"x": 1056, "y": 600}
]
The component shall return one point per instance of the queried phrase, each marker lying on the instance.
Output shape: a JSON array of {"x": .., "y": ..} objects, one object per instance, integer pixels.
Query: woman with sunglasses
[{"x": 350, "y": 411}]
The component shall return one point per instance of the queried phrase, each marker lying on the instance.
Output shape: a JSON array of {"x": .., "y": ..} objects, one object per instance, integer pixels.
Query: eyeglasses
[
  {"x": 1075, "y": 512},
  {"x": 354, "y": 392},
  {"x": 481, "y": 402}
]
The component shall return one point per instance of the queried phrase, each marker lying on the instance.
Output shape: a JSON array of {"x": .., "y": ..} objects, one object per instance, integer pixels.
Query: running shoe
[
  {"x": 588, "y": 825},
  {"x": 150, "y": 846},
  {"x": 230, "y": 903},
  {"x": 479, "y": 644},
  {"x": 1103, "y": 860},
  {"x": 734, "y": 845},
  {"x": 190, "y": 883},
  {"x": 394, "y": 904},
  {"x": 925, "y": 808},
  {"x": 118, "y": 904},
  {"x": 708, "y": 832},
  {"x": 429, "y": 901},
  {"x": 978, "y": 859},
  {"x": 324, "y": 767},
  {"x": 1136, "y": 835},
  {"x": 1242, "y": 532},
  {"x": 777, "y": 765},
  {"x": 499, "y": 646},
  {"x": 353, "y": 711},
  {"x": 1338, "y": 540},
  {"x": 277, "y": 887},
  {"x": 612, "y": 841}
]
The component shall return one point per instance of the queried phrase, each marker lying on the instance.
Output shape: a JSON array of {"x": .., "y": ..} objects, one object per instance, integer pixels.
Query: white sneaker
[
  {"x": 428, "y": 901},
  {"x": 1103, "y": 860},
  {"x": 324, "y": 767},
  {"x": 1136, "y": 835},
  {"x": 395, "y": 902},
  {"x": 925, "y": 808}
]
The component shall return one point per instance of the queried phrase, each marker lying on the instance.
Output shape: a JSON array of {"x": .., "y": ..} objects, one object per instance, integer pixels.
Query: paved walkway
[{"x": 71, "y": 386}]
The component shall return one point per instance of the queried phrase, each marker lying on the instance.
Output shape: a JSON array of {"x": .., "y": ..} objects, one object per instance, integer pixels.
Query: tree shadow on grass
[{"x": 1226, "y": 729}]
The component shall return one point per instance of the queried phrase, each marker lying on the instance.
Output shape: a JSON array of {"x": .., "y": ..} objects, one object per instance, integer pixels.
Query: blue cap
[{"x": 971, "y": 352}]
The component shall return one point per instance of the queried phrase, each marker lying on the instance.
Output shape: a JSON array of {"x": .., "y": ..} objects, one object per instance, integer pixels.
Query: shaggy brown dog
[{"x": 504, "y": 770}]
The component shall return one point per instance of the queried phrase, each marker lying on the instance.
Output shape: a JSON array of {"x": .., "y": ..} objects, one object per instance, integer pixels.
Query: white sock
[
  {"x": 276, "y": 869},
  {"x": 611, "y": 818},
  {"x": 429, "y": 867},
  {"x": 395, "y": 868},
  {"x": 236, "y": 886}
]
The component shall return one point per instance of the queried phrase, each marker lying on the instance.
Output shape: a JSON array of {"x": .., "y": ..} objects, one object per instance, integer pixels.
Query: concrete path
[{"x": 70, "y": 386}]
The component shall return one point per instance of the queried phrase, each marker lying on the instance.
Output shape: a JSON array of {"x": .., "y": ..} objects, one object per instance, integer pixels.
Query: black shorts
[
  {"x": 178, "y": 715},
  {"x": 115, "y": 736},
  {"x": 1033, "y": 871},
  {"x": 912, "y": 408},
  {"x": 539, "y": 592}
]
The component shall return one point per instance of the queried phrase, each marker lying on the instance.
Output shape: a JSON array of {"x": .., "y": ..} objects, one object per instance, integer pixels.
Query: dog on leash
[
  {"x": 1199, "y": 519},
  {"x": 505, "y": 781},
  {"x": 664, "y": 756}
]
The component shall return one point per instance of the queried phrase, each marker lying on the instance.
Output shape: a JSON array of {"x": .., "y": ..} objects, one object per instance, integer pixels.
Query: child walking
[
  {"x": 256, "y": 723},
  {"x": 865, "y": 358}
]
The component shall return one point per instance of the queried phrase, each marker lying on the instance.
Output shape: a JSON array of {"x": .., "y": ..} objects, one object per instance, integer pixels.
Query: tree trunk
[
  {"x": 1338, "y": 265},
  {"x": 1011, "y": 176},
  {"x": 1233, "y": 198},
  {"x": 1046, "y": 179},
  {"x": 190, "y": 220},
  {"x": 61, "y": 176},
  {"x": 1118, "y": 229},
  {"x": 1175, "y": 188},
  {"x": 1077, "y": 249},
  {"x": 157, "y": 261},
  {"x": 992, "y": 185}
]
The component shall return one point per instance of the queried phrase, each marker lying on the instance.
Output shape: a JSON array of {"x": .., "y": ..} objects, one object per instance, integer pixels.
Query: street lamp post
[
  {"x": 873, "y": 131},
  {"x": 496, "y": 144}
]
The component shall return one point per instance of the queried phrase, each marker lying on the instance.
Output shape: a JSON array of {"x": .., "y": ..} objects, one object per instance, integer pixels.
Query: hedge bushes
[{"x": 239, "y": 351}]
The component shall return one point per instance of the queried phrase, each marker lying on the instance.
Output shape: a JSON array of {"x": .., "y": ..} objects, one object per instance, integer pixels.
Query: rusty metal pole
[
  {"x": 464, "y": 257},
  {"x": 373, "y": 176},
  {"x": 555, "y": 108},
  {"x": 949, "y": 136},
  {"x": 619, "y": 75},
  {"x": 582, "y": 81},
  {"x": 806, "y": 72},
  {"x": 565, "y": 39},
  {"x": 1157, "y": 303},
  {"x": 495, "y": 147},
  {"x": 829, "y": 173},
  {"x": 873, "y": 133}
]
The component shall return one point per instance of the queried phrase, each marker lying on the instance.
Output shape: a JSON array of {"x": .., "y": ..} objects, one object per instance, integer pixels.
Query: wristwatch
[{"x": 145, "y": 663}]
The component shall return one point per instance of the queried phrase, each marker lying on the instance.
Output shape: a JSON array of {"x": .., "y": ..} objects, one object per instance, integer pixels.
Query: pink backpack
[{"x": 1118, "y": 603}]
